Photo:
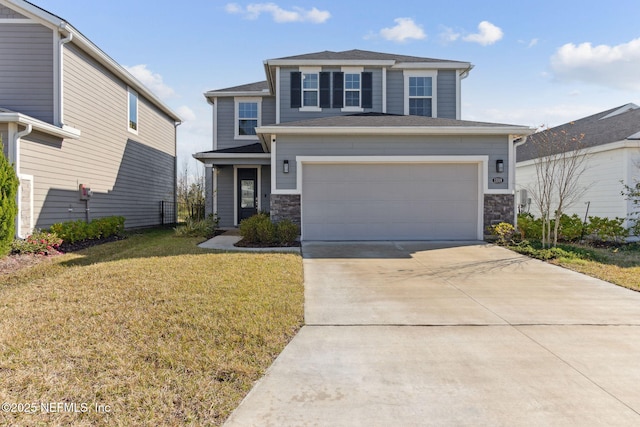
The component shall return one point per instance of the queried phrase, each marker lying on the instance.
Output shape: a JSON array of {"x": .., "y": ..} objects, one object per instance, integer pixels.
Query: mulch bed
[
  {"x": 243, "y": 244},
  {"x": 15, "y": 262}
]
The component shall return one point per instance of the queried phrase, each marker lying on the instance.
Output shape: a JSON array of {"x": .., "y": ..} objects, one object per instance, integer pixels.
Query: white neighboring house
[{"x": 612, "y": 139}]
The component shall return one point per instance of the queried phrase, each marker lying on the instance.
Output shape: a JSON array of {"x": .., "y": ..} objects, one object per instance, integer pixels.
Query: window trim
[
  {"x": 130, "y": 92},
  {"x": 434, "y": 89},
  {"x": 236, "y": 123},
  {"x": 352, "y": 109},
  {"x": 309, "y": 70}
]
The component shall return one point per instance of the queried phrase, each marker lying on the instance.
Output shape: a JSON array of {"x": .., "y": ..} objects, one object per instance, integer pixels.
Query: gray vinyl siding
[
  {"x": 7, "y": 13},
  {"x": 227, "y": 123},
  {"x": 265, "y": 190},
  {"x": 26, "y": 70},
  {"x": 129, "y": 174},
  {"x": 288, "y": 147},
  {"x": 395, "y": 92},
  {"x": 224, "y": 195},
  {"x": 288, "y": 114},
  {"x": 446, "y": 93},
  {"x": 4, "y": 139}
]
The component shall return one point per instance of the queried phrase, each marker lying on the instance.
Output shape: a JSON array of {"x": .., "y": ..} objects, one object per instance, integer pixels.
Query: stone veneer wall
[
  {"x": 498, "y": 208},
  {"x": 285, "y": 206}
]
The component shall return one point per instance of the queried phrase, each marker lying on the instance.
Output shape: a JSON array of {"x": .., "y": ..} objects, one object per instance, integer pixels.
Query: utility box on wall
[{"x": 85, "y": 192}]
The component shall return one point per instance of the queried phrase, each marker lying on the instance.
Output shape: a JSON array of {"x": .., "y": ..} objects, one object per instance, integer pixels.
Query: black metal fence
[{"x": 175, "y": 212}]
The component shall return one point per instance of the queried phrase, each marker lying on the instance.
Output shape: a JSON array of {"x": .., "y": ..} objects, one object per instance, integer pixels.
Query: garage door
[{"x": 435, "y": 201}]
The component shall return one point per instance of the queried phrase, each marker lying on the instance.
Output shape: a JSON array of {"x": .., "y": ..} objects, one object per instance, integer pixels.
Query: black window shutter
[
  {"x": 296, "y": 89},
  {"x": 338, "y": 86},
  {"x": 325, "y": 89},
  {"x": 367, "y": 90}
]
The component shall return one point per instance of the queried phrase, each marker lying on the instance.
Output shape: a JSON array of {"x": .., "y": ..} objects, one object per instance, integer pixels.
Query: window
[
  {"x": 352, "y": 90},
  {"x": 247, "y": 117},
  {"x": 309, "y": 89},
  {"x": 419, "y": 94},
  {"x": 133, "y": 111}
]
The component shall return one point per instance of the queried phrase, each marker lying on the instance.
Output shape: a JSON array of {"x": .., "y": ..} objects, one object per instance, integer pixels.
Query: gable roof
[
  {"x": 357, "y": 54},
  {"x": 357, "y": 57},
  {"x": 617, "y": 124},
  {"x": 249, "y": 89},
  {"x": 59, "y": 24}
]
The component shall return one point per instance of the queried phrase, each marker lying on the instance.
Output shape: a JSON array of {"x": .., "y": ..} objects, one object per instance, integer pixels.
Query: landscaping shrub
[
  {"x": 79, "y": 230},
  {"x": 8, "y": 207},
  {"x": 571, "y": 227},
  {"x": 287, "y": 232},
  {"x": 504, "y": 231},
  {"x": 39, "y": 242},
  {"x": 529, "y": 227},
  {"x": 606, "y": 229},
  {"x": 259, "y": 229},
  {"x": 198, "y": 228}
]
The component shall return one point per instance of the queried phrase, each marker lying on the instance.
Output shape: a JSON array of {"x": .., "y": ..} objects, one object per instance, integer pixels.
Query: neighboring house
[
  {"x": 612, "y": 143},
  {"x": 71, "y": 116},
  {"x": 359, "y": 145}
]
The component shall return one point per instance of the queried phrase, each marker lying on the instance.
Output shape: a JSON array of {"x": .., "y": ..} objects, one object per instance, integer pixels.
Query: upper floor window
[
  {"x": 313, "y": 89},
  {"x": 247, "y": 117},
  {"x": 419, "y": 94},
  {"x": 133, "y": 111}
]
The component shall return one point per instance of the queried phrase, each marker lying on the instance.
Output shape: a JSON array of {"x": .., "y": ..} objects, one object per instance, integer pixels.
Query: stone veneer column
[
  {"x": 498, "y": 208},
  {"x": 285, "y": 206},
  {"x": 208, "y": 189}
]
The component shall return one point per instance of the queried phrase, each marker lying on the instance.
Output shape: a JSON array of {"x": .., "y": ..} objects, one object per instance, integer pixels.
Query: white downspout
[
  {"x": 16, "y": 142},
  {"x": 64, "y": 41},
  {"x": 513, "y": 162}
]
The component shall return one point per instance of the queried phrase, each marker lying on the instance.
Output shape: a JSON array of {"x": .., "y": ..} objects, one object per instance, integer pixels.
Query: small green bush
[
  {"x": 287, "y": 232},
  {"x": 529, "y": 227},
  {"x": 259, "y": 229},
  {"x": 606, "y": 229},
  {"x": 570, "y": 227},
  {"x": 8, "y": 207},
  {"x": 198, "y": 228},
  {"x": 99, "y": 228},
  {"x": 39, "y": 242},
  {"x": 504, "y": 231}
]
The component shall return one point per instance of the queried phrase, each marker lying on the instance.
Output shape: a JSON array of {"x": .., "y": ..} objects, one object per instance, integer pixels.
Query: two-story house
[
  {"x": 72, "y": 119},
  {"x": 359, "y": 145}
]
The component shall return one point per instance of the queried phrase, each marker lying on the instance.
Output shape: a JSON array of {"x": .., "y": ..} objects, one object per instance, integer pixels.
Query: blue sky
[{"x": 536, "y": 62}]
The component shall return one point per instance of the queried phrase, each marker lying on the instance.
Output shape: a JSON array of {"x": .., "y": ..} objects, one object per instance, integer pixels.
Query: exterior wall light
[
  {"x": 499, "y": 166},
  {"x": 285, "y": 166}
]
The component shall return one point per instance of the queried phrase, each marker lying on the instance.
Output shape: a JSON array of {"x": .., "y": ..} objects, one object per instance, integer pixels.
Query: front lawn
[
  {"x": 150, "y": 330},
  {"x": 619, "y": 265}
]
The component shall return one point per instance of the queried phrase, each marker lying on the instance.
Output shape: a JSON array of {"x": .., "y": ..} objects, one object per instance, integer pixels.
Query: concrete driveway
[{"x": 415, "y": 334}]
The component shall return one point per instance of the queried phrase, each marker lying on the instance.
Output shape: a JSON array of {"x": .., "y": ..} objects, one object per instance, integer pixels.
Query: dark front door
[{"x": 247, "y": 193}]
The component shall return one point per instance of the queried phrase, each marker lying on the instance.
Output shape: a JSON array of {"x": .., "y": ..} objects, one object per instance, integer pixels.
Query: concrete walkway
[
  {"x": 227, "y": 240},
  {"x": 415, "y": 334}
]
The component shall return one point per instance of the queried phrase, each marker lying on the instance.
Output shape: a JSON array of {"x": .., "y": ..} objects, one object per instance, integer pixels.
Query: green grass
[
  {"x": 620, "y": 266},
  {"x": 161, "y": 331}
]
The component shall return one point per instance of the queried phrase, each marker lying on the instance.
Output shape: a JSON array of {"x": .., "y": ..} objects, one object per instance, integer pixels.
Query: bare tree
[
  {"x": 191, "y": 191},
  {"x": 560, "y": 161}
]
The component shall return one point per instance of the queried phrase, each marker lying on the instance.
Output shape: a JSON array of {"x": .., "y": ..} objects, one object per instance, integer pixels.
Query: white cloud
[
  {"x": 280, "y": 15},
  {"x": 151, "y": 80},
  {"x": 609, "y": 66},
  {"x": 449, "y": 35},
  {"x": 405, "y": 29},
  {"x": 487, "y": 34},
  {"x": 186, "y": 114},
  {"x": 533, "y": 42}
]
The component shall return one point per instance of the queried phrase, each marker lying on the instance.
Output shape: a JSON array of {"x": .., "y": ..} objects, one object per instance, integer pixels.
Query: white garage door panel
[{"x": 390, "y": 201}]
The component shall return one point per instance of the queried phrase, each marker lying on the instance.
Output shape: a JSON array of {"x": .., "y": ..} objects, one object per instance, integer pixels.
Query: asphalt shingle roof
[
  {"x": 616, "y": 124},
  {"x": 387, "y": 120},
  {"x": 247, "y": 149},
  {"x": 249, "y": 87},
  {"x": 358, "y": 54}
]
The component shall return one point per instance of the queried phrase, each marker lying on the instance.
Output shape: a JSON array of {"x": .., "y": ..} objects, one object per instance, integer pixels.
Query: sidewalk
[{"x": 225, "y": 242}]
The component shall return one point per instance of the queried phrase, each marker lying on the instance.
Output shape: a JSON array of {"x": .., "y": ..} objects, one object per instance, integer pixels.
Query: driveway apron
[{"x": 451, "y": 333}]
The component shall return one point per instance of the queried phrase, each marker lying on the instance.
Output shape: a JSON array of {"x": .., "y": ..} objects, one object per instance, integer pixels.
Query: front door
[{"x": 247, "y": 193}]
